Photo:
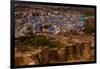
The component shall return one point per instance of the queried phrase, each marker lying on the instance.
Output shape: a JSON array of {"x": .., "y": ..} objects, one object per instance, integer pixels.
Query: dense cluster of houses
[{"x": 48, "y": 19}]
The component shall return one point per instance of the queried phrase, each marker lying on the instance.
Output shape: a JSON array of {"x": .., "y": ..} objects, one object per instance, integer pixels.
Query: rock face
[
  {"x": 74, "y": 53},
  {"x": 61, "y": 55},
  {"x": 87, "y": 53},
  {"x": 53, "y": 54}
]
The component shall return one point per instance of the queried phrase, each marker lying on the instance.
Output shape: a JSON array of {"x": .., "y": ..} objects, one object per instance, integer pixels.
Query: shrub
[
  {"x": 89, "y": 27},
  {"x": 36, "y": 41}
]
